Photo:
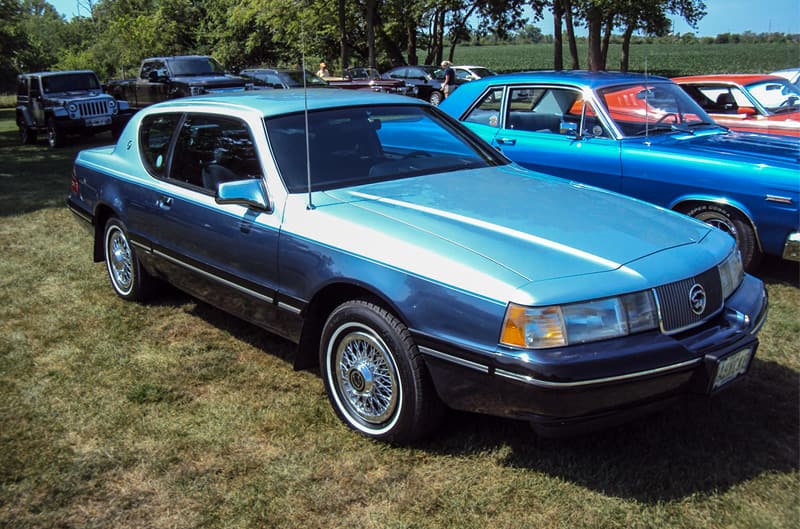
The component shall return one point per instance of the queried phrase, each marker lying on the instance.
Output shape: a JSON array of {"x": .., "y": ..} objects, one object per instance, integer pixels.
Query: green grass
[
  {"x": 174, "y": 414},
  {"x": 661, "y": 59}
]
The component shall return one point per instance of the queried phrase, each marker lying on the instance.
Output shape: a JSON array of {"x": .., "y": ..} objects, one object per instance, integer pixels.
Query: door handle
[
  {"x": 164, "y": 203},
  {"x": 506, "y": 141}
]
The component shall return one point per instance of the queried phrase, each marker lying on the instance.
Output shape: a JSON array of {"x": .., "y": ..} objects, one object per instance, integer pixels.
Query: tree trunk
[
  {"x": 558, "y": 38},
  {"x": 594, "y": 23},
  {"x": 609, "y": 26},
  {"x": 343, "y": 46},
  {"x": 411, "y": 42},
  {"x": 371, "y": 32},
  {"x": 624, "y": 56},
  {"x": 573, "y": 44}
]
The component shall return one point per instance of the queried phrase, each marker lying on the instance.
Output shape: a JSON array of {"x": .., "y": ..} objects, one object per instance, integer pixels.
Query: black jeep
[{"x": 61, "y": 103}]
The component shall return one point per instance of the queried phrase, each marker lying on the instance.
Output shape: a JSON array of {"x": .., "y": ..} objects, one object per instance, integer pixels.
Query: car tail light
[{"x": 73, "y": 186}]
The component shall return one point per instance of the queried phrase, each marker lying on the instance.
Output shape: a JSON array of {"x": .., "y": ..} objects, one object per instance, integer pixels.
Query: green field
[
  {"x": 662, "y": 59},
  {"x": 176, "y": 415}
]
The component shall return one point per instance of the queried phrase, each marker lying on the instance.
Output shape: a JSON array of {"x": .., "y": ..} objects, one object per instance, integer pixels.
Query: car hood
[
  {"x": 66, "y": 97},
  {"x": 749, "y": 147},
  {"x": 210, "y": 80},
  {"x": 538, "y": 227}
]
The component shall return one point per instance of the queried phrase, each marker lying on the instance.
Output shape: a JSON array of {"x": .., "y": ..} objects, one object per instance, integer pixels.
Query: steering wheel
[
  {"x": 790, "y": 101},
  {"x": 663, "y": 118}
]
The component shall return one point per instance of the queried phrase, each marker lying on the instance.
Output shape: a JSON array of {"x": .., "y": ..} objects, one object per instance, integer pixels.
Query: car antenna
[
  {"x": 310, "y": 204},
  {"x": 646, "y": 106}
]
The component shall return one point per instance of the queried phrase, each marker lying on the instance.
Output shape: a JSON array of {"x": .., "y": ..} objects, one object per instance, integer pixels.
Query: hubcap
[
  {"x": 719, "y": 221},
  {"x": 366, "y": 377},
  {"x": 120, "y": 262}
]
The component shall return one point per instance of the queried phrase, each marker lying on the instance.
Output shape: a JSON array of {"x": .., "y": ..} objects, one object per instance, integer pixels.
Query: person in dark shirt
[{"x": 449, "y": 83}]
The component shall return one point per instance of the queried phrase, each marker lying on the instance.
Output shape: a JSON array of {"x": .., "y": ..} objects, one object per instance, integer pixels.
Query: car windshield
[
  {"x": 361, "y": 145},
  {"x": 294, "y": 79},
  {"x": 482, "y": 72},
  {"x": 652, "y": 108},
  {"x": 70, "y": 82},
  {"x": 196, "y": 66},
  {"x": 776, "y": 95},
  {"x": 363, "y": 73}
]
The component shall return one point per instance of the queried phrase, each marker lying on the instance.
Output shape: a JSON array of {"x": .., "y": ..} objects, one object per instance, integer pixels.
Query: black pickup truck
[{"x": 162, "y": 78}]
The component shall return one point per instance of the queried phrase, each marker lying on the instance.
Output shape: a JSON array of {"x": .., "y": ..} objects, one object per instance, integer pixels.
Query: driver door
[{"x": 554, "y": 131}]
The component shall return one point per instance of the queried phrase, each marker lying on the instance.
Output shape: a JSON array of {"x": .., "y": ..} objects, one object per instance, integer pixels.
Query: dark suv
[{"x": 61, "y": 103}]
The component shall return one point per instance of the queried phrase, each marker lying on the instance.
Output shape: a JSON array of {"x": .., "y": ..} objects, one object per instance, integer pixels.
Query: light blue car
[
  {"x": 643, "y": 136},
  {"x": 416, "y": 266}
]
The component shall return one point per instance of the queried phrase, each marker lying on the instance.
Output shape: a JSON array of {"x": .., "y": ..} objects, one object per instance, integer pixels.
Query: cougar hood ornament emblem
[{"x": 697, "y": 299}]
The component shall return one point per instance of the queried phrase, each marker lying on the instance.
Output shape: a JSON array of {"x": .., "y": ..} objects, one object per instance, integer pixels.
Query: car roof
[
  {"x": 577, "y": 78},
  {"x": 280, "y": 102},
  {"x": 740, "y": 79},
  {"x": 58, "y": 72}
]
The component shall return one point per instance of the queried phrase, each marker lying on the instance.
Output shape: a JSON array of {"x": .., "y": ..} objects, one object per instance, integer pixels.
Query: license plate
[
  {"x": 732, "y": 366},
  {"x": 98, "y": 122}
]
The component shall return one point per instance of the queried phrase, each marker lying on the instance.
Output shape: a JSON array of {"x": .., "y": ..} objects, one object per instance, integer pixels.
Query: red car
[{"x": 750, "y": 103}]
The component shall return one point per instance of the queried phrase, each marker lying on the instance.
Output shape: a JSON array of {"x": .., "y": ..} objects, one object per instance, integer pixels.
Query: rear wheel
[
  {"x": 735, "y": 225},
  {"x": 27, "y": 135},
  {"x": 436, "y": 98},
  {"x": 374, "y": 375},
  {"x": 127, "y": 276}
]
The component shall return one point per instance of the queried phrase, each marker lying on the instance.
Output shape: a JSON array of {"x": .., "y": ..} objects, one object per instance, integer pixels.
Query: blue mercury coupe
[
  {"x": 414, "y": 264},
  {"x": 645, "y": 137}
]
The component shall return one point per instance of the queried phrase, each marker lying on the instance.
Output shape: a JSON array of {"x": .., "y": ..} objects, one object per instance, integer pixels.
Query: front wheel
[
  {"x": 55, "y": 134},
  {"x": 374, "y": 376},
  {"x": 127, "y": 276},
  {"x": 436, "y": 98},
  {"x": 735, "y": 225}
]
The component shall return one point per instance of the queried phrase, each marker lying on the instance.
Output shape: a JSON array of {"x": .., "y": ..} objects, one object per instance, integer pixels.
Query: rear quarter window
[{"x": 155, "y": 135}]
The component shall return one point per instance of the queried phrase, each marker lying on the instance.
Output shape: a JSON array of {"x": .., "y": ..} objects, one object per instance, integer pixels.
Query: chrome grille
[
  {"x": 675, "y": 303},
  {"x": 93, "y": 108}
]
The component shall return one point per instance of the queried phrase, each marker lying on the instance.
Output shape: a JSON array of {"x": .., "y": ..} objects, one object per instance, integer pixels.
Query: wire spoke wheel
[
  {"x": 374, "y": 375},
  {"x": 366, "y": 375}
]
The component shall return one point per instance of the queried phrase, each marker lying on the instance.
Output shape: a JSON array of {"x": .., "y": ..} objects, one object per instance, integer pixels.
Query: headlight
[
  {"x": 196, "y": 90},
  {"x": 560, "y": 325},
  {"x": 72, "y": 107},
  {"x": 731, "y": 273},
  {"x": 112, "y": 104}
]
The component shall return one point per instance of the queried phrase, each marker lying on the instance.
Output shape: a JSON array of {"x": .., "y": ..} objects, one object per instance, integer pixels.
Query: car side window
[
  {"x": 487, "y": 111},
  {"x": 155, "y": 135},
  {"x": 552, "y": 110},
  {"x": 210, "y": 150}
]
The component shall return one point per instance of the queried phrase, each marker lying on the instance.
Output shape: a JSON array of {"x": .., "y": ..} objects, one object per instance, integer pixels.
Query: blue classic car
[
  {"x": 414, "y": 264},
  {"x": 643, "y": 136}
]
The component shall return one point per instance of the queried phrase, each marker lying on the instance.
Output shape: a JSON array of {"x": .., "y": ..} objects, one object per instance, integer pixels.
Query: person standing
[
  {"x": 323, "y": 71},
  {"x": 449, "y": 83}
]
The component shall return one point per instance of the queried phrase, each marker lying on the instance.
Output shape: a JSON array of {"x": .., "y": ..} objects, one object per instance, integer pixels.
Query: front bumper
[
  {"x": 592, "y": 385},
  {"x": 791, "y": 250}
]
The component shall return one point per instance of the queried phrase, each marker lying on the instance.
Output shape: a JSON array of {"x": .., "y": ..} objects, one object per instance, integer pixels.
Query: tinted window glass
[
  {"x": 70, "y": 82},
  {"x": 213, "y": 149},
  {"x": 353, "y": 146},
  {"x": 487, "y": 111},
  {"x": 155, "y": 134}
]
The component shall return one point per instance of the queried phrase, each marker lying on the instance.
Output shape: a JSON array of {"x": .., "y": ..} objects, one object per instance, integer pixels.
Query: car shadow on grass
[{"x": 697, "y": 446}]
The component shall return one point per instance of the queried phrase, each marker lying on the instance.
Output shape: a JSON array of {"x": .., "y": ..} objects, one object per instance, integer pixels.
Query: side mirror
[
  {"x": 568, "y": 128},
  {"x": 248, "y": 193},
  {"x": 746, "y": 111}
]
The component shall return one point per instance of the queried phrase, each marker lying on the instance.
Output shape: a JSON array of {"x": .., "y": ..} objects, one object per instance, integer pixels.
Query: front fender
[{"x": 679, "y": 204}]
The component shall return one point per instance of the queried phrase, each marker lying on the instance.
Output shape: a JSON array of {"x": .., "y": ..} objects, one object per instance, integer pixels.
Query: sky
[{"x": 723, "y": 16}]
